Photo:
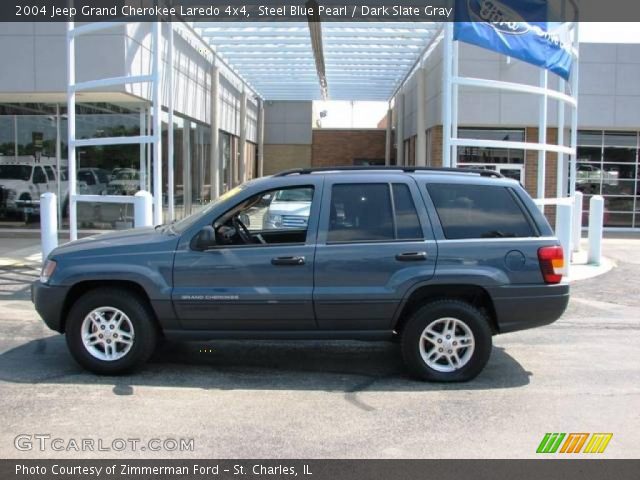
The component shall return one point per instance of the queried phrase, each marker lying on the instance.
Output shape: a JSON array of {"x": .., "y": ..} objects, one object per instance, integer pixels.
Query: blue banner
[{"x": 513, "y": 27}]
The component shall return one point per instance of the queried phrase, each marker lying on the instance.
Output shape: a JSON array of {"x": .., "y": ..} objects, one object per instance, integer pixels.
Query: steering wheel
[{"x": 242, "y": 230}]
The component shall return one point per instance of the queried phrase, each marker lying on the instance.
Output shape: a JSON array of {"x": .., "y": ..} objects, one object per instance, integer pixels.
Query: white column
[
  {"x": 596, "y": 219},
  {"x": 542, "y": 135},
  {"x": 421, "y": 120},
  {"x": 563, "y": 232},
  {"x": 454, "y": 100},
  {"x": 561, "y": 180},
  {"x": 242, "y": 144},
  {"x": 389, "y": 138},
  {"x": 142, "y": 209},
  {"x": 58, "y": 163},
  {"x": 186, "y": 166},
  {"x": 48, "y": 223},
  {"x": 170, "y": 146},
  {"x": 214, "y": 170},
  {"x": 446, "y": 94},
  {"x": 157, "y": 125},
  {"x": 400, "y": 129},
  {"x": 577, "y": 221},
  {"x": 143, "y": 149},
  {"x": 574, "y": 112},
  {"x": 260, "y": 172},
  {"x": 71, "y": 131}
]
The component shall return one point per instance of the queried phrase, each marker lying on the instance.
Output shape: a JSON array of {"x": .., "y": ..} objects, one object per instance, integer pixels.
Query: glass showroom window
[
  {"x": 509, "y": 162},
  {"x": 608, "y": 166}
]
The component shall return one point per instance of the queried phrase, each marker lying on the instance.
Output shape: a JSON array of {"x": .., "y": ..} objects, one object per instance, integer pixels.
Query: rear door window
[
  {"x": 364, "y": 212},
  {"x": 479, "y": 211}
]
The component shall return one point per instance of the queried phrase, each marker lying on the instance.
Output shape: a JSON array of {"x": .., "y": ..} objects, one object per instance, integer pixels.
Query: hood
[
  {"x": 290, "y": 208},
  {"x": 13, "y": 184},
  {"x": 129, "y": 240}
]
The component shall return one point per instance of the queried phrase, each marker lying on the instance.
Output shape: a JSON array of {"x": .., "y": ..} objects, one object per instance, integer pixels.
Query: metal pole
[
  {"x": 242, "y": 167},
  {"x": 58, "y": 161},
  {"x": 454, "y": 101},
  {"x": 157, "y": 125},
  {"x": 542, "y": 135},
  {"x": 446, "y": 95},
  {"x": 170, "y": 146},
  {"x": 421, "y": 120},
  {"x": 215, "y": 132},
  {"x": 560, "y": 170},
  {"x": 388, "y": 138},
  {"x": 71, "y": 130},
  {"x": 574, "y": 111},
  {"x": 261, "y": 138}
]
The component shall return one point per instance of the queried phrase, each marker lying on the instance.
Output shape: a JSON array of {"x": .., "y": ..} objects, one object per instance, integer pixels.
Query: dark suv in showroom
[{"x": 438, "y": 259}]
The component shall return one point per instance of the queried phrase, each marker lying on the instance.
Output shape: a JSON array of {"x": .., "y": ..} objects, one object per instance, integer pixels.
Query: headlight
[
  {"x": 274, "y": 220},
  {"x": 47, "y": 270},
  {"x": 11, "y": 194}
]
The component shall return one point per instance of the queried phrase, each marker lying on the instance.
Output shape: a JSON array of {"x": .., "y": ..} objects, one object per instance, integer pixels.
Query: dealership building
[{"x": 235, "y": 101}]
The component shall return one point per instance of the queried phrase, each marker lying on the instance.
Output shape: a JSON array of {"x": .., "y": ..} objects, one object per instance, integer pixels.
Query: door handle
[
  {"x": 287, "y": 261},
  {"x": 411, "y": 256}
]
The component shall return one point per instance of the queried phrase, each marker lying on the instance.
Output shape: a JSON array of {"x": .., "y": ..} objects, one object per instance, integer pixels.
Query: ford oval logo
[{"x": 498, "y": 15}]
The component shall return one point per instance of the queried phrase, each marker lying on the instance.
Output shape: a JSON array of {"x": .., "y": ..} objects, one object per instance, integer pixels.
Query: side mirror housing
[{"x": 206, "y": 238}]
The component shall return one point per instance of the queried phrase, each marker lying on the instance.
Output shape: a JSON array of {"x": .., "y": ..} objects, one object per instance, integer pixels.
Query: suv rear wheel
[
  {"x": 110, "y": 331},
  {"x": 446, "y": 341}
]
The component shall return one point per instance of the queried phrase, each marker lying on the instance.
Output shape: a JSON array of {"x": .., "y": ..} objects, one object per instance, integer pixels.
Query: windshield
[
  {"x": 15, "y": 172},
  {"x": 181, "y": 225},
  {"x": 295, "y": 195}
]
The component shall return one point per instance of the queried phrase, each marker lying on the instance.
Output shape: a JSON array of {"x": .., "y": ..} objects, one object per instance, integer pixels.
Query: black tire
[
  {"x": 473, "y": 318},
  {"x": 140, "y": 316}
]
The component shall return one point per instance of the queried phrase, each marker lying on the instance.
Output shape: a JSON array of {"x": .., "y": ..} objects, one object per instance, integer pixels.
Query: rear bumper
[
  {"x": 49, "y": 303},
  {"x": 523, "y": 307}
]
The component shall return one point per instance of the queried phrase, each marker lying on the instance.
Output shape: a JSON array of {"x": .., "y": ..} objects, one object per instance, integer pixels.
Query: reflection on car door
[{"x": 374, "y": 243}]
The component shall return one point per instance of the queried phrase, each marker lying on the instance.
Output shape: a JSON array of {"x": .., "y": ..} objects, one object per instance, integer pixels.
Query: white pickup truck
[{"x": 22, "y": 183}]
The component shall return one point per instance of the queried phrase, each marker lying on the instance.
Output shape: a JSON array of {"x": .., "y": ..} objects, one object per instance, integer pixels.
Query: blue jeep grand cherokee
[{"x": 440, "y": 260}]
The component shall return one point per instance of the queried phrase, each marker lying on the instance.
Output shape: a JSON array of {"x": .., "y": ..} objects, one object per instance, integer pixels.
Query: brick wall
[
  {"x": 333, "y": 148},
  {"x": 285, "y": 157},
  {"x": 435, "y": 146},
  {"x": 551, "y": 171}
]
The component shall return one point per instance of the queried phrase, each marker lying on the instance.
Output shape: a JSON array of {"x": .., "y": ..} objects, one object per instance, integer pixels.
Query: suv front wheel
[
  {"x": 446, "y": 341},
  {"x": 110, "y": 331}
]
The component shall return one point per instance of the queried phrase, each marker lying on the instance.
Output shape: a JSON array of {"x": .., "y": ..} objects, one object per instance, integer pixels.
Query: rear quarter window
[{"x": 479, "y": 211}]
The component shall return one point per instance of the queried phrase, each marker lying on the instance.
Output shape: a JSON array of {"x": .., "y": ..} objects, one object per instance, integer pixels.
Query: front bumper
[
  {"x": 530, "y": 306},
  {"x": 49, "y": 302}
]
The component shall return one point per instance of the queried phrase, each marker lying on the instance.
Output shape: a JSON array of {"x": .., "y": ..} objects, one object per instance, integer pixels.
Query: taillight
[{"x": 551, "y": 263}]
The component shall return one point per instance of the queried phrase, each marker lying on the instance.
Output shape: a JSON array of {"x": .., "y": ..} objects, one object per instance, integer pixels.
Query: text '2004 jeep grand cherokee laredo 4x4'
[{"x": 439, "y": 259}]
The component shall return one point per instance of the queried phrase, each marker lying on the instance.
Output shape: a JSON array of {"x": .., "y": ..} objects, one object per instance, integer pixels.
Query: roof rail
[{"x": 373, "y": 168}]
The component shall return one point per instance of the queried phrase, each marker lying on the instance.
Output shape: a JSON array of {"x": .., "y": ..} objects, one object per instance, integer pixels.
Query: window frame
[{"x": 392, "y": 203}]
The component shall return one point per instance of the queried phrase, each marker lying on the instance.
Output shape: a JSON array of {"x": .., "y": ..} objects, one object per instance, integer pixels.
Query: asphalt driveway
[{"x": 336, "y": 399}]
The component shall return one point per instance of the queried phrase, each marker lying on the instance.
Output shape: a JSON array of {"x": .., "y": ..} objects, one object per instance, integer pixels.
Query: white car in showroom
[{"x": 289, "y": 209}]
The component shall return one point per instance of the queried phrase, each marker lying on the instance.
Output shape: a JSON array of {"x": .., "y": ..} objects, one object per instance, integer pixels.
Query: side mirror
[{"x": 205, "y": 238}]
